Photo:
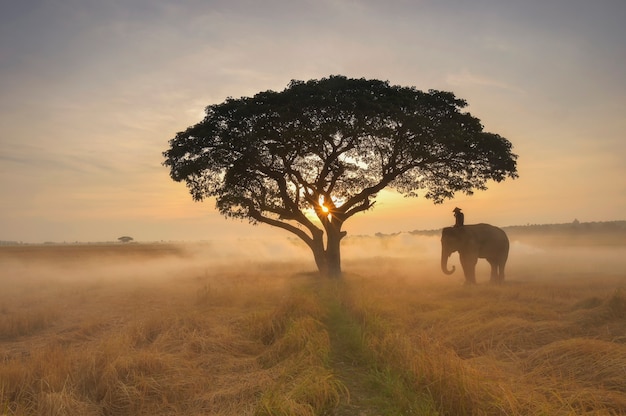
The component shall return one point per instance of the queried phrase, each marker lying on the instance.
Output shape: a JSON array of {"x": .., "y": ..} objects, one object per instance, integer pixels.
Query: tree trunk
[
  {"x": 319, "y": 254},
  {"x": 328, "y": 259},
  {"x": 333, "y": 247},
  {"x": 333, "y": 255}
]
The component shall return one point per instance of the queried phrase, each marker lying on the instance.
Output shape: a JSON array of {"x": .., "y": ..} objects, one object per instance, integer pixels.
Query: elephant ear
[
  {"x": 469, "y": 237},
  {"x": 463, "y": 233},
  {"x": 453, "y": 233},
  {"x": 482, "y": 237}
]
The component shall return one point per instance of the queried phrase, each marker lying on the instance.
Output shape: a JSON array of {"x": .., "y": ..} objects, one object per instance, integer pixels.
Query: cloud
[{"x": 468, "y": 79}]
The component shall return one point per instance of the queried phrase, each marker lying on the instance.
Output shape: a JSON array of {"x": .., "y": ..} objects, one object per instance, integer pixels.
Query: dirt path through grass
[
  {"x": 373, "y": 390},
  {"x": 350, "y": 365}
]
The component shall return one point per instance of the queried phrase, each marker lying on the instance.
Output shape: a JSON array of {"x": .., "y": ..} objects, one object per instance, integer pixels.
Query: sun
[{"x": 326, "y": 211}]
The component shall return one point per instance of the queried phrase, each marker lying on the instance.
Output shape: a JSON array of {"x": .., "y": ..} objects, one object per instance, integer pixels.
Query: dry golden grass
[
  {"x": 157, "y": 335},
  {"x": 163, "y": 329},
  {"x": 525, "y": 348}
]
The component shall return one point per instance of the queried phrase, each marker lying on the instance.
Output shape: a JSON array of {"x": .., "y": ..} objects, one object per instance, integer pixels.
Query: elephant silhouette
[{"x": 475, "y": 241}]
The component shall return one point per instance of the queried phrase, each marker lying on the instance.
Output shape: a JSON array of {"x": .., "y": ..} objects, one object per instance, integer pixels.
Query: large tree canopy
[{"x": 328, "y": 147}]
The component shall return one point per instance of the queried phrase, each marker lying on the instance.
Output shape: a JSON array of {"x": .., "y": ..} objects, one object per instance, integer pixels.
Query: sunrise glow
[{"x": 91, "y": 168}]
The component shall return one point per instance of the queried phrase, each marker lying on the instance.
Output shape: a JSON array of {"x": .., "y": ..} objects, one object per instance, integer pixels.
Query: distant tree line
[
  {"x": 575, "y": 232},
  {"x": 575, "y": 226},
  {"x": 601, "y": 226}
]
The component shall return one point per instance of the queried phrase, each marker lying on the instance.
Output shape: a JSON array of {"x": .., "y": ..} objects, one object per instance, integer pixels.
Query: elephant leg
[
  {"x": 501, "y": 271},
  {"x": 495, "y": 275},
  {"x": 469, "y": 269}
]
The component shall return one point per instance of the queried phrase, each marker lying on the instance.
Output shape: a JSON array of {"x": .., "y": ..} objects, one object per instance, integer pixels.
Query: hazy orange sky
[{"x": 91, "y": 92}]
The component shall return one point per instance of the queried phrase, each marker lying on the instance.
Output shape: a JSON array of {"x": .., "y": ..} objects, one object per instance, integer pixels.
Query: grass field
[{"x": 247, "y": 329}]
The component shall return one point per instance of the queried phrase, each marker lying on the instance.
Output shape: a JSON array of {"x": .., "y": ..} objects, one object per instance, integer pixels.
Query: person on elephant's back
[{"x": 459, "y": 217}]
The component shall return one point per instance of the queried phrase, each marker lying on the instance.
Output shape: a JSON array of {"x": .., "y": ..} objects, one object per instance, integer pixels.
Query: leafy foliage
[
  {"x": 339, "y": 141},
  {"x": 278, "y": 152}
]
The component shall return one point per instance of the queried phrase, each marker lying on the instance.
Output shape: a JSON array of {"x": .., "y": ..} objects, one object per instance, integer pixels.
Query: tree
[
  {"x": 324, "y": 149},
  {"x": 125, "y": 239}
]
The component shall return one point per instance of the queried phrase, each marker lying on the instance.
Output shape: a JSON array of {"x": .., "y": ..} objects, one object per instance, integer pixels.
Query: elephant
[{"x": 475, "y": 241}]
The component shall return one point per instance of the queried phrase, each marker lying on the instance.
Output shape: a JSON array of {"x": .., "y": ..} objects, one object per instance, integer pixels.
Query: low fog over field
[
  {"x": 410, "y": 254},
  {"x": 536, "y": 256}
]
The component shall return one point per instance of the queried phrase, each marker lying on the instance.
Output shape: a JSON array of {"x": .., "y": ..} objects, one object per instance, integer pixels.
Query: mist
[{"x": 410, "y": 255}]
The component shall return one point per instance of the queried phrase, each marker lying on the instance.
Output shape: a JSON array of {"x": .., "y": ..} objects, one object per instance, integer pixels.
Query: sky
[{"x": 92, "y": 91}]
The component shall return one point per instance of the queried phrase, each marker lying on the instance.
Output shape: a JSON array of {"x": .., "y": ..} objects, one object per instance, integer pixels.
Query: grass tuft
[
  {"x": 616, "y": 305},
  {"x": 20, "y": 323},
  {"x": 587, "y": 362}
]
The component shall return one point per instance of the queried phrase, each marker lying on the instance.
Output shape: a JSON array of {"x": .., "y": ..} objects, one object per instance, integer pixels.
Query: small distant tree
[
  {"x": 125, "y": 239},
  {"x": 325, "y": 148}
]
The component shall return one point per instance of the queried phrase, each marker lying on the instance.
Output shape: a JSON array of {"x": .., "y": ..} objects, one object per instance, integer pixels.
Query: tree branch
[
  {"x": 359, "y": 208},
  {"x": 285, "y": 226}
]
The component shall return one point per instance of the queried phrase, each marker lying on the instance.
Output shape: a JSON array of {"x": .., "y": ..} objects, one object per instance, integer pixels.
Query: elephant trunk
[{"x": 444, "y": 262}]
